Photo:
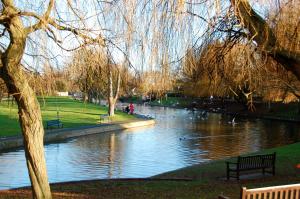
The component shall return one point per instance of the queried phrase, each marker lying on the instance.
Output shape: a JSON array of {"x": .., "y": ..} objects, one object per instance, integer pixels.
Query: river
[{"x": 179, "y": 138}]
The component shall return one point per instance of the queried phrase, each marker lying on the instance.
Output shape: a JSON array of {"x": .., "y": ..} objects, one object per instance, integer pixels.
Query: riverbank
[
  {"x": 272, "y": 111},
  {"x": 56, "y": 135},
  {"x": 72, "y": 113},
  {"x": 205, "y": 181}
]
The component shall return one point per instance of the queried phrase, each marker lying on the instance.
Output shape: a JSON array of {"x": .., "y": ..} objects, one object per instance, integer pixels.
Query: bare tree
[
  {"x": 86, "y": 69},
  {"x": 29, "y": 110},
  {"x": 113, "y": 94},
  {"x": 96, "y": 74},
  {"x": 17, "y": 25}
]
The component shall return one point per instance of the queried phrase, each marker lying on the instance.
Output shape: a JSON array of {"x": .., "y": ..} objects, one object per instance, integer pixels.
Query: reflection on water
[{"x": 180, "y": 138}]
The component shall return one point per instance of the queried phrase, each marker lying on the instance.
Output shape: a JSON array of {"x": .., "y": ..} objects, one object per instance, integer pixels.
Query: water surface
[{"x": 180, "y": 138}]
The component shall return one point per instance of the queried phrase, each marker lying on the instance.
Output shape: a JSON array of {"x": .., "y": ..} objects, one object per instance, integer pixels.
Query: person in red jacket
[{"x": 131, "y": 108}]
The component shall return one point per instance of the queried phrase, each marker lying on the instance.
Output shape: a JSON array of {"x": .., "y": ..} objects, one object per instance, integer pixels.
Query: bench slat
[{"x": 292, "y": 194}]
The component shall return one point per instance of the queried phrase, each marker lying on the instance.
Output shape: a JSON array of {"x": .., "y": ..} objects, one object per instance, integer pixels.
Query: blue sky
[{"x": 157, "y": 30}]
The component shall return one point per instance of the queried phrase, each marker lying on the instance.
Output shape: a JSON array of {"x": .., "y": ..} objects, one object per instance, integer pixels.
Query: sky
[
  {"x": 149, "y": 33},
  {"x": 144, "y": 32}
]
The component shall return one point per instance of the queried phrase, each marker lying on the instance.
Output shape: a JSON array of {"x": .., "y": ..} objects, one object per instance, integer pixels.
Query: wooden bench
[
  {"x": 283, "y": 192},
  {"x": 103, "y": 117},
  {"x": 56, "y": 123},
  {"x": 255, "y": 162},
  {"x": 276, "y": 192}
]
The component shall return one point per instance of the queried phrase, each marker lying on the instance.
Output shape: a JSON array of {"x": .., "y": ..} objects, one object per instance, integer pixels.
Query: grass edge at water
[{"x": 72, "y": 113}]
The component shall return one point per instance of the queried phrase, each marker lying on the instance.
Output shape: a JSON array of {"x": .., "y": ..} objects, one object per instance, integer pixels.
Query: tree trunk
[
  {"x": 99, "y": 99},
  {"x": 90, "y": 96},
  {"x": 111, "y": 106},
  {"x": 263, "y": 35},
  {"x": 31, "y": 126},
  {"x": 112, "y": 99},
  {"x": 84, "y": 97},
  {"x": 28, "y": 106},
  {"x": 1, "y": 96}
]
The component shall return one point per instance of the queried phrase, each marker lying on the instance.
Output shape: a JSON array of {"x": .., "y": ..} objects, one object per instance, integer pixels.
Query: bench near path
[
  {"x": 265, "y": 163},
  {"x": 54, "y": 123},
  {"x": 104, "y": 117},
  {"x": 291, "y": 191},
  {"x": 275, "y": 192}
]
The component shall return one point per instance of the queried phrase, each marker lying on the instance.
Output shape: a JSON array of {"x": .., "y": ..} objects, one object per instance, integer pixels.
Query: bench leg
[
  {"x": 238, "y": 175},
  {"x": 263, "y": 171},
  {"x": 227, "y": 172}
]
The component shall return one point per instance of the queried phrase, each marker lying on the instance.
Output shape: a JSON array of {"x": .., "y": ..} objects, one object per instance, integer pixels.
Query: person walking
[{"x": 131, "y": 108}]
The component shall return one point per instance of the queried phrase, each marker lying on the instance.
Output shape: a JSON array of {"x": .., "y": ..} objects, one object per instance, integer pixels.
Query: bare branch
[
  {"x": 263, "y": 35},
  {"x": 3, "y": 18},
  {"x": 42, "y": 20}
]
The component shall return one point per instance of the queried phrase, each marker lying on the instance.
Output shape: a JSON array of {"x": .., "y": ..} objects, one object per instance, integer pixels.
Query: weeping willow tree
[
  {"x": 270, "y": 40},
  {"x": 284, "y": 50},
  {"x": 164, "y": 30},
  {"x": 265, "y": 32},
  {"x": 96, "y": 75}
]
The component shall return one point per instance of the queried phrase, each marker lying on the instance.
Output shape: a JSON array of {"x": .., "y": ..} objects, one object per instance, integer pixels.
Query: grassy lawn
[
  {"x": 72, "y": 113},
  {"x": 207, "y": 182}
]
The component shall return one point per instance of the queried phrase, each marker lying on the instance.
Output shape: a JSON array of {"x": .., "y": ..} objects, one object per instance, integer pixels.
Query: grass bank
[
  {"x": 274, "y": 110},
  {"x": 72, "y": 113},
  {"x": 200, "y": 181}
]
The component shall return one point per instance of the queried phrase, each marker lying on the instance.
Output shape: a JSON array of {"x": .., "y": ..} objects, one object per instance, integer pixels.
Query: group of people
[{"x": 129, "y": 109}]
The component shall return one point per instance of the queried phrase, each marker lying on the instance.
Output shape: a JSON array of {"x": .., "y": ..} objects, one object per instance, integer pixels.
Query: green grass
[
  {"x": 72, "y": 113},
  {"x": 207, "y": 182},
  {"x": 211, "y": 176}
]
